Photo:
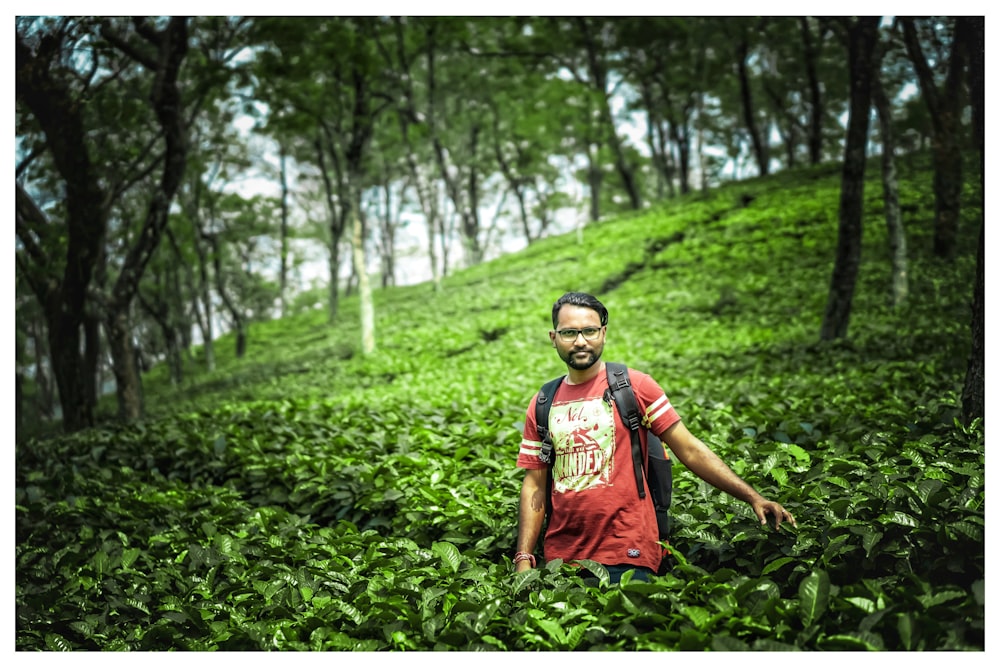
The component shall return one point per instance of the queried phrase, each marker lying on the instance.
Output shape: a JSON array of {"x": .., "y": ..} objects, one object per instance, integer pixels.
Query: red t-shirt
[{"x": 596, "y": 510}]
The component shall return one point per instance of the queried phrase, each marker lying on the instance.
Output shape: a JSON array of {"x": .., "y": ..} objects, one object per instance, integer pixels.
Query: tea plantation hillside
[{"x": 308, "y": 497}]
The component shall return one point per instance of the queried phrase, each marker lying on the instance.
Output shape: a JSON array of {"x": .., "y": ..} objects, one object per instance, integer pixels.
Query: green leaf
[
  {"x": 927, "y": 488},
  {"x": 729, "y": 643},
  {"x": 101, "y": 562},
  {"x": 864, "y": 604},
  {"x": 56, "y": 642},
  {"x": 777, "y": 564},
  {"x": 940, "y": 597},
  {"x": 597, "y": 569},
  {"x": 853, "y": 641},
  {"x": 448, "y": 553},
  {"x": 901, "y": 518},
  {"x": 553, "y": 630},
  {"x": 524, "y": 579},
  {"x": 814, "y": 596},
  {"x": 129, "y": 557},
  {"x": 907, "y": 629}
]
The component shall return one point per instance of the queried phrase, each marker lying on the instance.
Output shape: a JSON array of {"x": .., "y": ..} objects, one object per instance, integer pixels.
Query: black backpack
[{"x": 657, "y": 474}]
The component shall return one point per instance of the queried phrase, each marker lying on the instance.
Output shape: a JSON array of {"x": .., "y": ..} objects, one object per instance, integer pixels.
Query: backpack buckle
[{"x": 545, "y": 455}]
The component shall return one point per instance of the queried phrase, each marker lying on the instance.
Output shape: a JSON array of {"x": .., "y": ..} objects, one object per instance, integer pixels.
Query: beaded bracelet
[{"x": 523, "y": 555}]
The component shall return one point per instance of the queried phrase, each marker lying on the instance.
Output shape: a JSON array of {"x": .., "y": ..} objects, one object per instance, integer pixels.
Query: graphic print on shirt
[{"x": 584, "y": 435}]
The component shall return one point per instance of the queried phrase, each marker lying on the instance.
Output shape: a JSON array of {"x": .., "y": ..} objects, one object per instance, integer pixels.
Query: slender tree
[
  {"x": 890, "y": 187},
  {"x": 48, "y": 88},
  {"x": 974, "y": 390},
  {"x": 162, "y": 53},
  {"x": 945, "y": 104},
  {"x": 862, "y": 37}
]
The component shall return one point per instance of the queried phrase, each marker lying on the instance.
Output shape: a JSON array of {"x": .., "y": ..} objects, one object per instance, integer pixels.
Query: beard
[{"x": 581, "y": 363}]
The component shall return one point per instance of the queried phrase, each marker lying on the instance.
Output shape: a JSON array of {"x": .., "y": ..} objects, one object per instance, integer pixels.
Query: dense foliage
[{"x": 306, "y": 497}]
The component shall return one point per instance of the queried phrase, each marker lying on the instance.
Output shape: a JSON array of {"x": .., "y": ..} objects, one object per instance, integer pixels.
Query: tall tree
[
  {"x": 758, "y": 136},
  {"x": 161, "y": 52},
  {"x": 812, "y": 45},
  {"x": 668, "y": 61},
  {"x": 890, "y": 183},
  {"x": 862, "y": 37},
  {"x": 945, "y": 103},
  {"x": 338, "y": 110},
  {"x": 974, "y": 390},
  {"x": 49, "y": 89}
]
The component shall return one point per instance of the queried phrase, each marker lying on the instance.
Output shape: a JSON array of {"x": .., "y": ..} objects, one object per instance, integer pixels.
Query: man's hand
[
  {"x": 762, "y": 507},
  {"x": 523, "y": 566}
]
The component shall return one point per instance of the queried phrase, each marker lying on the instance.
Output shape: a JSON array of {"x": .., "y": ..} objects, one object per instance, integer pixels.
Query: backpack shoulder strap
[
  {"x": 542, "y": 405},
  {"x": 623, "y": 395}
]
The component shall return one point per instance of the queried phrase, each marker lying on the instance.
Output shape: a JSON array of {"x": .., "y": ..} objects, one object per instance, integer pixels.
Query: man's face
[{"x": 578, "y": 353}]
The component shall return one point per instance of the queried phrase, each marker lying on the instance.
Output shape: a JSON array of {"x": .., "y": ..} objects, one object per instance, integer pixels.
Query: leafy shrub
[{"x": 310, "y": 498}]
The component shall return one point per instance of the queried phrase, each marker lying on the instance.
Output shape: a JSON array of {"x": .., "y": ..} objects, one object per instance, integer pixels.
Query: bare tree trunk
[
  {"x": 599, "y": 80},
  {"x": 336, "y": 231},
  {"x": 890, "y": 188},
  {"x": 44, "y": 399},
  {"x": 205, "y": 296},
  {"x": 160, "y": 312},
  {"x": 238, "y": 318},
  {"x": 171, "y": 45},
  {"x": 810, "y": 52},
  {"x": 594, "y": 180},
  {"x": 974, "y": 391},
  {"x": 125, "y": 364},
  {"x": 364, "y": 285},
  {"x": 862, "y": 40},
  {"x": 945, "y": 108},
  {"x": 283, "y": 270},
  {"x": 50, "y": 100},
  {"x": 749, "y": 114}
]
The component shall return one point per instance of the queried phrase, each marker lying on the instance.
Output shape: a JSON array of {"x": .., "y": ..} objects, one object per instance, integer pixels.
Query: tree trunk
[
  {"x": 749, "y": 114},
  {"x": 283, "y": 270},
  {"x": 599, "y": 81},
  {"x": 171, "y": 44},
  {"x": 91, "y": 356},
  {"x": 406, "y": 113},
  {"x": 60, "y": 115},
  {"x": 945, "y": 109},
  {"x": 239, "y": 321},
  {"x": 160, "y": 312},
  {"x": 810, "y": 52},
  {"x": 862, "y": 39},
  {"x": 364, "y": 286},
  {"x": 890, "y": 188},
  {"x": 124, "y": 361},
  {"x": 205, "y": 296},
  {"x": 336, "y": 231},
  {"x": 974, "y": 391},
  {"x": 594, "y": 179},
  {"x": 683, "y": 142},
  {"x": 43, "y": 385}
]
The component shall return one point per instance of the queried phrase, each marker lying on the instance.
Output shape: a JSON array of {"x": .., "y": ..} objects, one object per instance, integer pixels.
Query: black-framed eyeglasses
[{"x": 569, "y": 335}]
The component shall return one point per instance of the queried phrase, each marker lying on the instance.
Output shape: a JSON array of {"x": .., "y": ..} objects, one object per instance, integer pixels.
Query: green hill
[{"x": 308, "y": 497}]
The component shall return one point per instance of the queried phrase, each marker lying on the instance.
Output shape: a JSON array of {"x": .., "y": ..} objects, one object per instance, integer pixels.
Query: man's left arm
[{"x": 705, "y": 463}]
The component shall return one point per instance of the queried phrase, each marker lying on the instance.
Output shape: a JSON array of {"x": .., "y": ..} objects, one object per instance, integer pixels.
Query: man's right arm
[{"x": 531, "y": 515}]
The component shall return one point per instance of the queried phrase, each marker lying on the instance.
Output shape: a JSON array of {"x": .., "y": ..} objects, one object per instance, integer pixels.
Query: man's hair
[{"x": 581, "y": 300}]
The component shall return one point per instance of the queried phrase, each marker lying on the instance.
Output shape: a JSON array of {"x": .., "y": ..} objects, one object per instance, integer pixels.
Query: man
[{"x": 597, "y": 513}]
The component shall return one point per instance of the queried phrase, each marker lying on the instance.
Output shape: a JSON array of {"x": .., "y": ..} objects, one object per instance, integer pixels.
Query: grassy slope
[{"x": 720, "y": 297}]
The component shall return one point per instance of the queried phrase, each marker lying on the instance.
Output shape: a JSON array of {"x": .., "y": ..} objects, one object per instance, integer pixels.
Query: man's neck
[{"x": 575, "y": 376}]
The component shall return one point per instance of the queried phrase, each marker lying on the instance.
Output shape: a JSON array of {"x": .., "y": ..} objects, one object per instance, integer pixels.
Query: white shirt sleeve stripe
[{"x": 660, "y": 412}]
